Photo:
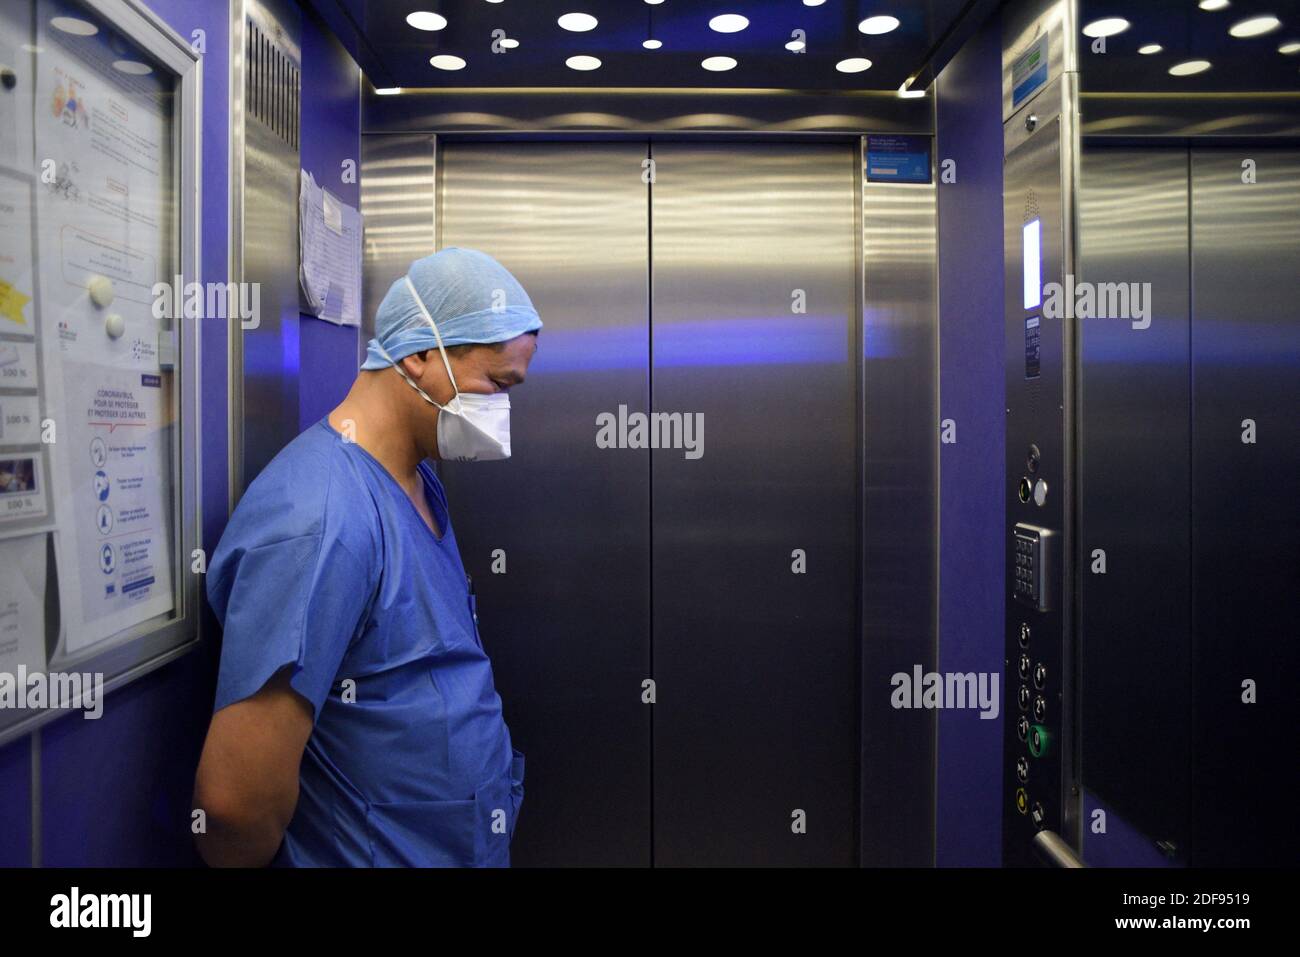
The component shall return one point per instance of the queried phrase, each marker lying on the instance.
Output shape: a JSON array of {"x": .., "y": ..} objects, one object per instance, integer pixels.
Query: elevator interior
[{"x": 696, "y": 653}]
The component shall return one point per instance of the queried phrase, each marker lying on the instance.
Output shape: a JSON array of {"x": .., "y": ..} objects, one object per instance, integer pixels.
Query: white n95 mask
[{"x": 473, "y": 427}]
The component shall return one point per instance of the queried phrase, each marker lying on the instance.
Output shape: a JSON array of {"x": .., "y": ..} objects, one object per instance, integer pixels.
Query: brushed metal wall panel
[
  {"x": 1134, "y": 493},
  {"x": 265, "y": 363},
  {"x": 1245, "y": 341},
  {"x": 756, "y": 666},
  {"x": 900, "y": 516},
  {"x": 397, "y": 211},
  {"x": 567, "y": 626}
]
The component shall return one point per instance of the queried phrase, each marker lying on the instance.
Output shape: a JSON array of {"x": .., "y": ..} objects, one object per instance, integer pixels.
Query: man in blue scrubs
[{"x": 356, "y": 722}]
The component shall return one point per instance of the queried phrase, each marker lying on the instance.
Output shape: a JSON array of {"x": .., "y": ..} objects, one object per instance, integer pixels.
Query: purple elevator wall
[
  {"x": 331, "y": 134},
  {"x": 117, "y": 791},
  {"x": 969, "y": 131}
]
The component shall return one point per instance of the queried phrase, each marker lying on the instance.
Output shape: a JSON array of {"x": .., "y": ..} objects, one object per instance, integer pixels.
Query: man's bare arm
[{"x": 247, "y": 782}]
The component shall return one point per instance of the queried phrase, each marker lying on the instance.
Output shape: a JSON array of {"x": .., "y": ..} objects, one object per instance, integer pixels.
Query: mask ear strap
[
  {"x": 436, "y": 334},
  {"x": 409, "y": 381}
]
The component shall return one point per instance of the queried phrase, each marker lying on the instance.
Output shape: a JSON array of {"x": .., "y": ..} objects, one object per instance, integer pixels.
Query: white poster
[
  {"x": 22, "y": 604},
  {"x": 16, "y": 280}
]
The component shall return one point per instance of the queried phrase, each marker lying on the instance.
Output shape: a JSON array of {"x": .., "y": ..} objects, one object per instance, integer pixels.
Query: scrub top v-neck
[{"x": 328, "y": 566}]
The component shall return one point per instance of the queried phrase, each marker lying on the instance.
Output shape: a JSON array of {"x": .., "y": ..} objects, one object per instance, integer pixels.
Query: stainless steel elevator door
[
  {"x": 1245, "y": 458},
  {"x": 628, "y": 564},
  {"x": 567, "y": 625},
  {"x": 755, "y": 663}
]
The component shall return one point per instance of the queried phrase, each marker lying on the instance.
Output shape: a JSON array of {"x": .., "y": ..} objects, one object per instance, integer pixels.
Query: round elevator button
[{"x": 1040, "y": 493}]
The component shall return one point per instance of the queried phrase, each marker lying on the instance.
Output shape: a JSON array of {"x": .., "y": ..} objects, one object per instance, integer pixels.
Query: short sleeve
[{"x": 296, "y": 601}]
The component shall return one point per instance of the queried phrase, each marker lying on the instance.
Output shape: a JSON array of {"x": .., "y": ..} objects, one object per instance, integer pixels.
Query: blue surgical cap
[{"x": 471, "y": 297}]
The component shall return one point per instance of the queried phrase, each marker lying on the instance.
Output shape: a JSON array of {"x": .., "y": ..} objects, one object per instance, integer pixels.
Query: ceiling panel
[{"x": 393, "y": 53}]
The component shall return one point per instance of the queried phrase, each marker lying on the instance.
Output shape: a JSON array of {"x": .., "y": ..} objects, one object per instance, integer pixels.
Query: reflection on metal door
[{"x": 721, "y": 564}]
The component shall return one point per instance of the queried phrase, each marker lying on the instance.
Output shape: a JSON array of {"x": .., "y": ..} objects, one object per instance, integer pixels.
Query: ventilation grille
[
  {"x": 1031, "y": 206},
  {"x": 271, "y": 85}
]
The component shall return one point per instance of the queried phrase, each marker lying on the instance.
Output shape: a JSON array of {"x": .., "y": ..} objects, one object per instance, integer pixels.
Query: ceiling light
[
  {"x": 445, "y": 61},
  {"x": 81, "y": 28},
  {"x": 795, "y": 45},
  {"x": 877, "y": 25},
  {"x": 854, "y": 64},
  {"x": 578, "y": 22},
  {"x": 728, "y": 23},
  {"x": 1189, "y": 67},
  {"x": 424, "y": 20},
  {"x": 1213, "y": 4},
  {"x": 719, "y": 63},
  {"x": 134, "y": 67},
  {"x": 509, "y": 43},
  {"x": 582, "y": 62},
  {"x": 1150, "y": 48},
  {"x": 654, "y": 3},
  {"x": 388, "y": 91},
  {"x": 652, "y": 44},
  {"x": 813, "y": 3},
  {"x": 1287, "y": 49},
  {"x": 1255, "y": 26},
  {"x": 1106, "y": 27}
]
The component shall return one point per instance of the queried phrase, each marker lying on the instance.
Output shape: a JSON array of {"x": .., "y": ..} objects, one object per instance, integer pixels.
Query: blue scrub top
[{"x": 326, "y": 565}]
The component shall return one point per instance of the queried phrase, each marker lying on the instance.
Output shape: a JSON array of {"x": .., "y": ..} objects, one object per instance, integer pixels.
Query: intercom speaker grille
[{"x": 272, "y": 85}]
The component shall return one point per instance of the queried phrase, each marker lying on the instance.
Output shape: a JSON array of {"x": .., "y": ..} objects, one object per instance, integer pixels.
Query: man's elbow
[{"x": 237, "y": 829}]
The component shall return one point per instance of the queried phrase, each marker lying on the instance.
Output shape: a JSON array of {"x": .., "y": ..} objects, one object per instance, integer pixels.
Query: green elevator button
[{"x": 1040, "y": 740}]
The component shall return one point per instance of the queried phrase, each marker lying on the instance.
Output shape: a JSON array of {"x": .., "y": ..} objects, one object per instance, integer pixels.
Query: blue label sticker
[
  {"x": 898, "y": 159},
  {"x": 153, "y": 381},
  {"x": 1029, "y": 71}
]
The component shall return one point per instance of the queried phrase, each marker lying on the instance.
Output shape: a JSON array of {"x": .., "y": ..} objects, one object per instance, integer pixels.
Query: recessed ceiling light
[
  {"x": 1189, "y": 67},
  {"x": 1254, "y": 26},
  {"x": 582, "y": 62},
  {"x": 388, "y": 91},
  {"x": 652, "y": 44},
  {"x": 654, "y": 3},
  {"x": 1150, "y": 48},
  {"x": 1289, "y": 48},
  {"x": 81, "y": 28},
  {"x": 510, "y": 43},
  {"x": 718, "y": 63},
  {"x": 728, "y": 23},
  {"x": 813, "y": 3},
  {"x": 854, "y": 64},
  {"x": 424, "y": 20},
  {"x": 578, "y": 22},
  {"x": 1213, "y": 4},
  {"x": 795, "y": 45},
  {"x": 880, "y": 24},
  {"x": 1106, "y": 27},
  {"x": 445, "y": 61},
  {"x": 134, "y": 67}
]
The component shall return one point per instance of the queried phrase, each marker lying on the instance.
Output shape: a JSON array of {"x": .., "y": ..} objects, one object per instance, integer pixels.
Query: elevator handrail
[{"x": 1053, "y": 848}]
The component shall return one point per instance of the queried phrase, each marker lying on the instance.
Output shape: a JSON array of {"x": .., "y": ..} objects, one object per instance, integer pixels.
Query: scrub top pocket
[{"x": 423, "y": 833}]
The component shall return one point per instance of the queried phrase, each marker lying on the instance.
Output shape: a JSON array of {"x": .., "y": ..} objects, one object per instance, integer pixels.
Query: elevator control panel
[{"x": 1032, "y": 550}]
